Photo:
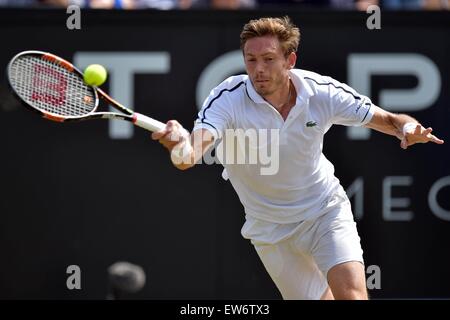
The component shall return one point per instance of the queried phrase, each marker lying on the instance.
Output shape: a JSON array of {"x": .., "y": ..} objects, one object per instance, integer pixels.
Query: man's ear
[{"x": 292, "y": 59}]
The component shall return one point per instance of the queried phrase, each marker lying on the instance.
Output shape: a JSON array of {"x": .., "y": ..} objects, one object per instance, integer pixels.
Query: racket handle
[
  {"x": 147, "y": 123},
  {"x": 180, "y": 154}
]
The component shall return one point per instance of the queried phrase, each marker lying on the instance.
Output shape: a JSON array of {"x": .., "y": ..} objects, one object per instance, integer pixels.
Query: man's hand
[
  {"x": 176, "y": 139},
  {"x": 171, "y": 135},
  {"x": 415, "y": 133}
]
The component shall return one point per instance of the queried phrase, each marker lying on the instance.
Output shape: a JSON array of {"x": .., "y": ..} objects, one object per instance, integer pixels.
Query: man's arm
[
  {"x": 404, "y": 127},
  {"x": 174, "y": 136}
]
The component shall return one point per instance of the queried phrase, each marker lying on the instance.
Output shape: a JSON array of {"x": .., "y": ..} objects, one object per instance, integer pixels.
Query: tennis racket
[{"x": 55, "y": 89}]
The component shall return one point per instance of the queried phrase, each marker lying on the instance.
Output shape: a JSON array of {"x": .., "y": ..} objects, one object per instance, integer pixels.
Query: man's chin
[{"x": 262, "y": 90}]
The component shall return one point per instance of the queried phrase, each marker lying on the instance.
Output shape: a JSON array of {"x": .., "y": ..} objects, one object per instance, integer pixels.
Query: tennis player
[{"x": 298, "y": 219}]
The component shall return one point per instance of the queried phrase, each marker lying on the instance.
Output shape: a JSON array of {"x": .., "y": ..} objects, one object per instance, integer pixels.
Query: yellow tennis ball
[{"x": 95, "y": 75}]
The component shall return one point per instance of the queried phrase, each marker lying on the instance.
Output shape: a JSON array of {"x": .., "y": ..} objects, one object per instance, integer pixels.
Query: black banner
[{"x": 79, "y": 197}]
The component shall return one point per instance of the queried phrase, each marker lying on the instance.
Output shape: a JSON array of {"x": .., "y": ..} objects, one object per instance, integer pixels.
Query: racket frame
[
  {"x": 126, "y": 114},
  {"x": 177, "y": 154}
]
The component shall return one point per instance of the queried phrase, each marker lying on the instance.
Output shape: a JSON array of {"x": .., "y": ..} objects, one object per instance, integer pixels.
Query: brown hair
[{"x": 283, "y": 28}]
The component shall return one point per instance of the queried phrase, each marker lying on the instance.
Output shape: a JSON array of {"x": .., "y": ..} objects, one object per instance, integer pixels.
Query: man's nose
[{"x": 259, "y": 67}]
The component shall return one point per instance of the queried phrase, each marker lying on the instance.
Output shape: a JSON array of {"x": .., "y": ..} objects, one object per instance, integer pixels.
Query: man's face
[{"x": 266, "y": 64}]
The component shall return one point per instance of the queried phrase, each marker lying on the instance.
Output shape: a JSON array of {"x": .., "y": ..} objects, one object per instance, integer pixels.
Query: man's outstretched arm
[
  {"x": 404, "y": 127},
  {"x": 175, "y": 136}
]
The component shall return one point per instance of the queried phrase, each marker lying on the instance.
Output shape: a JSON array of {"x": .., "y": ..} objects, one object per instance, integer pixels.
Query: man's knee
[{"x": 348, "y": 281}]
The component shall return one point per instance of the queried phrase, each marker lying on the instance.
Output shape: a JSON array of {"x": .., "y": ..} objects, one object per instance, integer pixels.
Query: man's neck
[
  {"x": 280, "y": 97},
  {"x": 284, "y": 99}
]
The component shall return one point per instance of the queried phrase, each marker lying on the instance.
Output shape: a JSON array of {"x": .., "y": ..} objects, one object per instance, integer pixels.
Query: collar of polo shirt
[{"x": 302, "y": 87}]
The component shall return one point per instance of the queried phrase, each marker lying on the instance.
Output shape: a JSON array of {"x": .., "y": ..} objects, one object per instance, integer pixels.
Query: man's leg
[
  {"x": 328, "y": 295},
  {"x": 295, "y": 274},
  {"x": 348, "y": 281},
  {"x": 337, "y": 251}
]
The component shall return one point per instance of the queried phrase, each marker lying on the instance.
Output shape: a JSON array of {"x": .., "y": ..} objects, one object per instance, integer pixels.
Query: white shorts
[{"x": 299, "y": 264}]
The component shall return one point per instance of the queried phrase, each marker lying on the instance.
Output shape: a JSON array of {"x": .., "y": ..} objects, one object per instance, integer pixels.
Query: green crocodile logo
[{"x": 311, "y": 124}]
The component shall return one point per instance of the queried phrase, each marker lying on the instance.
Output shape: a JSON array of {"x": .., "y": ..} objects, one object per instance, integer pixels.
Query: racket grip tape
[{"x": 147, "y": 123}]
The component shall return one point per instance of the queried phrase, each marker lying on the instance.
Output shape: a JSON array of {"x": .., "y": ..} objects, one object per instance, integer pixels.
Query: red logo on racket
[{"x": 49, "y": 85}]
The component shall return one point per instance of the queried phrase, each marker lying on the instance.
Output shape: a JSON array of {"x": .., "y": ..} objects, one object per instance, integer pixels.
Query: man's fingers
[
  {"x": 419, "y": 135},
  {"x": 159, "y": 134},
  {"x": 171, "y": 125},
  {"x": 170, "y": 145},
  {"x": 435, "y": 139},
  {"x": 171, "y": 135},
  {"x": 418, "y": 129},
  {"x": 404, "y": 143}
]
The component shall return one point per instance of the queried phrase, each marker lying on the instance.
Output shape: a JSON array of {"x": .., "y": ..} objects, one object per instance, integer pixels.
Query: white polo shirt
[{"x": 305, "y": 180}]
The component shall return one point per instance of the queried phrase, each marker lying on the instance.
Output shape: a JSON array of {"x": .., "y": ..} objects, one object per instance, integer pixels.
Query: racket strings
[{"x": 50, "y": 88}]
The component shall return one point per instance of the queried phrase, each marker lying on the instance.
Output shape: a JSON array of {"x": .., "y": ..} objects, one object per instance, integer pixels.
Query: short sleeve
[
  {"x": 348, "y": 107},
  {"x": 215, "y": 114}
]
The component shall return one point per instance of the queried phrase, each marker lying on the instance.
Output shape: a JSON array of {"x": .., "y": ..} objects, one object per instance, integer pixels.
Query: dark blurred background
[{"x": 93, "y": 193}]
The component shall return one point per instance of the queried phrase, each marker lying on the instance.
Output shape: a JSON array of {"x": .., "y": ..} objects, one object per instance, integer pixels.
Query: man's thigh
[
  {"x": 294, "y": 273},
  {"x": 335, "y": 239}
]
